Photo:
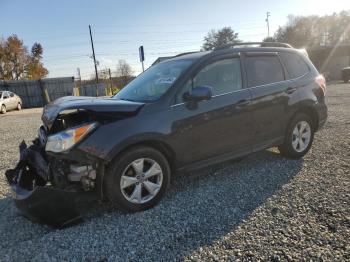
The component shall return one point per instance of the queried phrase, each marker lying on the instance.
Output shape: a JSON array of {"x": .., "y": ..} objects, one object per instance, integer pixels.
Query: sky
[{"x": 163, "y": 27}]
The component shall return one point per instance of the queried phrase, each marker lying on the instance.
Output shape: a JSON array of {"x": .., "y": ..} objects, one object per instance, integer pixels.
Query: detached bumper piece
[{"x": 35, "y": 200}]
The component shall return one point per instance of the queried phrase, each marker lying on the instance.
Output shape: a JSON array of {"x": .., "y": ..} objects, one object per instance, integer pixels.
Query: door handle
[
  {"x": 242, "y": 103},
  {"x": 290, "y": 90}
]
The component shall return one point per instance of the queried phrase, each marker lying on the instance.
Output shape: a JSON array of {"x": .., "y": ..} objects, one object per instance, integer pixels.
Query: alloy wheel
[
  {"x": 301, "y": 136},
  {"x": 141, "y": 180}
]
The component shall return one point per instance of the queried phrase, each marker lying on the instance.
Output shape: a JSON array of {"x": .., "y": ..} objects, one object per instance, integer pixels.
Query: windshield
[{"x": 154, "y": 82}]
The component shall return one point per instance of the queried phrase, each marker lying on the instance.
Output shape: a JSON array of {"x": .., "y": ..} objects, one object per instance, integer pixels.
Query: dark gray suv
[{"x": 187, "y": 112}]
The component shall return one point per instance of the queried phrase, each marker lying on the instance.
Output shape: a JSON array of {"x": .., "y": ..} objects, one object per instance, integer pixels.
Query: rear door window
[
  {"x": 263, "y": 70},
  {"x": 294, "y": 64}
]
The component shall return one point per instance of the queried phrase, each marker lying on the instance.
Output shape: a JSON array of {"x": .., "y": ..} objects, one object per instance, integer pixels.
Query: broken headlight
[{"x": 65, "y": 140}]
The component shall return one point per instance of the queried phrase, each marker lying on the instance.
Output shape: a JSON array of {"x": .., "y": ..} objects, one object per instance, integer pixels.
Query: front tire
[
  {"x": 137, "y": 179},
  {"x": 299, "y": 137}
]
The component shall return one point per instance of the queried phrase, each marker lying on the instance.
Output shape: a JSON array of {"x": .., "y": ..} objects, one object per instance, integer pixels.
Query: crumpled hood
[{"x": 52, "y": 110}]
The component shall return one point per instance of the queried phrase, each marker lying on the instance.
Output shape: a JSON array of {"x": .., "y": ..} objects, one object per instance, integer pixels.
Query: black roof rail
[
  {"x": 187, "y": 53},
  {"x": 262, "y": 44}
]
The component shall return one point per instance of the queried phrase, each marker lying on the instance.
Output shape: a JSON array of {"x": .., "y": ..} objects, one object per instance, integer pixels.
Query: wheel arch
[
  {"x": 156, "y": 144},
  {"x": 308, "y": 110}
]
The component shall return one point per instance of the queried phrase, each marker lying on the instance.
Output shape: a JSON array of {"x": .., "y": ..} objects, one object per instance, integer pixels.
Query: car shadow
[
  {"x": 204, "y": 205},
  {"x": 200, "y": 208},
  {"x": 226, "y": 194}
]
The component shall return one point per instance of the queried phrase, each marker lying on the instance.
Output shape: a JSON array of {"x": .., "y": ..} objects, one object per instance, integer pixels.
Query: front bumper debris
[{"x": 35, "y": 199}]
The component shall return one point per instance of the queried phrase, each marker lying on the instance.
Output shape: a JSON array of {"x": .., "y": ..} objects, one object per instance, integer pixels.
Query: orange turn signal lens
[{"x": 81, "y": 131}]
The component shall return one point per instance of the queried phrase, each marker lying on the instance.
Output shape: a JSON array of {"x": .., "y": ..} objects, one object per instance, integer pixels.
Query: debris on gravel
[{"x": 263, "y": 207}]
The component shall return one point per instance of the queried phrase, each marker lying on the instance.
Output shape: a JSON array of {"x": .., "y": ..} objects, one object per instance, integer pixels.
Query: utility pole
[
  {"x": 110, "y": 79},
  {"x": 93, "y": 54},
  {"x": 142, "y": 57},
  {"x": 268, "y": 23},
  {"x": 326, "y": 35},
  {"x": 79, "y": 75},
  {"x": 79, "y": 81}
]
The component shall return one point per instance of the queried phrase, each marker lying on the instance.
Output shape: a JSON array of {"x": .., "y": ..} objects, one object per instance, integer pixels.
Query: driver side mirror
[{"x": 198, "y": 93}]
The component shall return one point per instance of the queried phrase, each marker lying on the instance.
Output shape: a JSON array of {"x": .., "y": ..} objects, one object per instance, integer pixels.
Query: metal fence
[
  {"x": 34, "y": 92},
  {"x": 93, "y": 90}
]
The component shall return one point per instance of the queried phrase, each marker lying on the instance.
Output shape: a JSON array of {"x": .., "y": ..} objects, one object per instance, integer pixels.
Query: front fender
[
  {"x": 152, "y": 139},
  {"x": 110, "y": 139}
]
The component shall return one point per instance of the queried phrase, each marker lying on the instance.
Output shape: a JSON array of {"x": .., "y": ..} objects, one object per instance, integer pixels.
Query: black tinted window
[
  {"x": 262, "y": 70},
  {"x": 223, "y": 76},
  {"x": 294, "y": 64}
]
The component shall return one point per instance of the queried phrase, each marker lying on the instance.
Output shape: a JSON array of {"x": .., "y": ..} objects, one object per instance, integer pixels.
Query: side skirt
[
  {"x": 212, "y": 161},
  {"x": 229, "y": 156}
]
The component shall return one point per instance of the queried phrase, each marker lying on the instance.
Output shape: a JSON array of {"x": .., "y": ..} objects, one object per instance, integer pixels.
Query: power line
[
  {"x": 181, "y": 24},
  {"x": 146, "y": 41},
  {"x": 127, "y": 53},
  {"x": 74, "y": 33},
  {"x": 120, "y": 55}
]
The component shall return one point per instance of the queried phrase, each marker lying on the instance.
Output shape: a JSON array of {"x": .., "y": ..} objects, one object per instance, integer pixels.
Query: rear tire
[
  {"x": 137, "y": 179},
  {"x": 3, "y": 109},
  {"x": 299, "y": 137}
]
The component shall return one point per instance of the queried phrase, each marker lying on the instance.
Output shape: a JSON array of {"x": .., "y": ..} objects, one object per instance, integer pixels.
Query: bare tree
[
  {"x": 124, "y": 72},
  {"x": 123, "y": 68},
  {"x": 311, "y": 31}
]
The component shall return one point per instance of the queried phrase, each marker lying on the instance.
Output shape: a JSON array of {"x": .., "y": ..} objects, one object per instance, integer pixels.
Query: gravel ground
[{"x": 264, "y": 207}]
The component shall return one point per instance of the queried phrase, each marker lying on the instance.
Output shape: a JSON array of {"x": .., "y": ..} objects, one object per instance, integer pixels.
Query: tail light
[{"x": 321, "y": 82}]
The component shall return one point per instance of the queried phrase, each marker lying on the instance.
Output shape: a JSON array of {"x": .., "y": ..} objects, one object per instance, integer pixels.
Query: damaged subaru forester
[{"x": 190, "y": 111}]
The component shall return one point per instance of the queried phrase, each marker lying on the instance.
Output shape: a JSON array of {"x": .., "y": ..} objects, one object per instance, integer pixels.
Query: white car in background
[{"x": 9, "y": 101}]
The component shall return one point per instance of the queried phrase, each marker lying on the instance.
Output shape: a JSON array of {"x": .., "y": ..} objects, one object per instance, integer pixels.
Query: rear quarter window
[
  {"x": 294, "y": 64},
  {"x": 263, "y": 70}
]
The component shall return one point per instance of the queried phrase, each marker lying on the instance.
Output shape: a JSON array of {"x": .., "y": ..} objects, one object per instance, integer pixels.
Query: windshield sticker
[{"x": 165, "y": 80}]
